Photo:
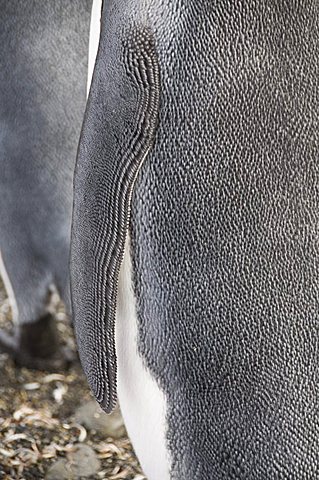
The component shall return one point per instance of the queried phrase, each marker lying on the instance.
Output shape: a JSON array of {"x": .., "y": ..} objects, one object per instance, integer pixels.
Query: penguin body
[
  {"x": 200, "y": 145},
  {"x": 43, "y": 70}
]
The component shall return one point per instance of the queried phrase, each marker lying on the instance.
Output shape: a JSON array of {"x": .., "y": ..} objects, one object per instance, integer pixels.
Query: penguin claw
[{"x": 35, "y": 346}]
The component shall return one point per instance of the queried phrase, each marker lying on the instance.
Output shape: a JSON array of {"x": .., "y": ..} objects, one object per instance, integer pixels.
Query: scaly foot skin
[{"x": 35, "y": 345}]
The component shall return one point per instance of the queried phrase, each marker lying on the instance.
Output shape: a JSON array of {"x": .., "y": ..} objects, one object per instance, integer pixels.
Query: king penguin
[
  {"x": 43, "y": 71},
  {"x": 194, "y": 251}
]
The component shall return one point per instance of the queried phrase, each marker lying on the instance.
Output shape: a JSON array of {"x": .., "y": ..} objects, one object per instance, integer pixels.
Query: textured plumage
[
  {"x": 224, "y": 227},
  {"x": 43, "y": 69}
]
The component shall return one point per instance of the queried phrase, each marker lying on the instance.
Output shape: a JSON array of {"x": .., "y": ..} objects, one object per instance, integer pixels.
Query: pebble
[
  {"x": 59, "y": 471},
  {"x": 80, "y": 463},
  {"x": 92, "y": 417}
]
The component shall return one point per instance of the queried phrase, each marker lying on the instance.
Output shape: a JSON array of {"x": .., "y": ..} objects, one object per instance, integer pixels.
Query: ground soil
[{"x": 37, "y": 425}]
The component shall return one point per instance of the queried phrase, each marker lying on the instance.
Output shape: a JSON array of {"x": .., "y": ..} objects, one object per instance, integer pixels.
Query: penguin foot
[{"x": 35, "y": 345}]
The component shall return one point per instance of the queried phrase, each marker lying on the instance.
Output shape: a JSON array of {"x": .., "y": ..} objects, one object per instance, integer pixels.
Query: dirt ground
[{"x": 38, "y": 425}]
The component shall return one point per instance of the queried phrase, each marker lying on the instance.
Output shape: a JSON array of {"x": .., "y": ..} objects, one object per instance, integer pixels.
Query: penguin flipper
[{"x": 118, "y": 132}]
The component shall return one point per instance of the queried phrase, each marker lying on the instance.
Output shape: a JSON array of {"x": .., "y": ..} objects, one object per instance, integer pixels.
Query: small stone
[
  {"x": 59, "y": 471},
  {"x": 82, "y": 462},
  {"x": 92, "y": 417}
]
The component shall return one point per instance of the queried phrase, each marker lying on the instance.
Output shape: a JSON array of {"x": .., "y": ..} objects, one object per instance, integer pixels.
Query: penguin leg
[
  {"x": 34, "y": 342},
  {"x": 43, "y": 65}
]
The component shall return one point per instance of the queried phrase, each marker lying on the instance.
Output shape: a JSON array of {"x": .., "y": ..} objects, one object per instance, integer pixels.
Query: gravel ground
[{"x": 50, "y": 428}]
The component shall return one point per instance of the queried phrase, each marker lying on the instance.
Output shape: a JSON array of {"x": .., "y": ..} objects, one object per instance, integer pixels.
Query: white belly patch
[
  {"x": 142, "y": 403},
  {"x": 95, "y": 28}
]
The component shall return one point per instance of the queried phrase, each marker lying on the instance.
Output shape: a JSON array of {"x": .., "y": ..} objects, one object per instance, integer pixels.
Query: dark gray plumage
[
  {"x": 224, "y": 225},
  {"x": 43, "y": 70}
]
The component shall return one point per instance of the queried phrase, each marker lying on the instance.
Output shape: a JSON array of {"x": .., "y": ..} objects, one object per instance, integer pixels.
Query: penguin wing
[{"x": 118, "y": 132}]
